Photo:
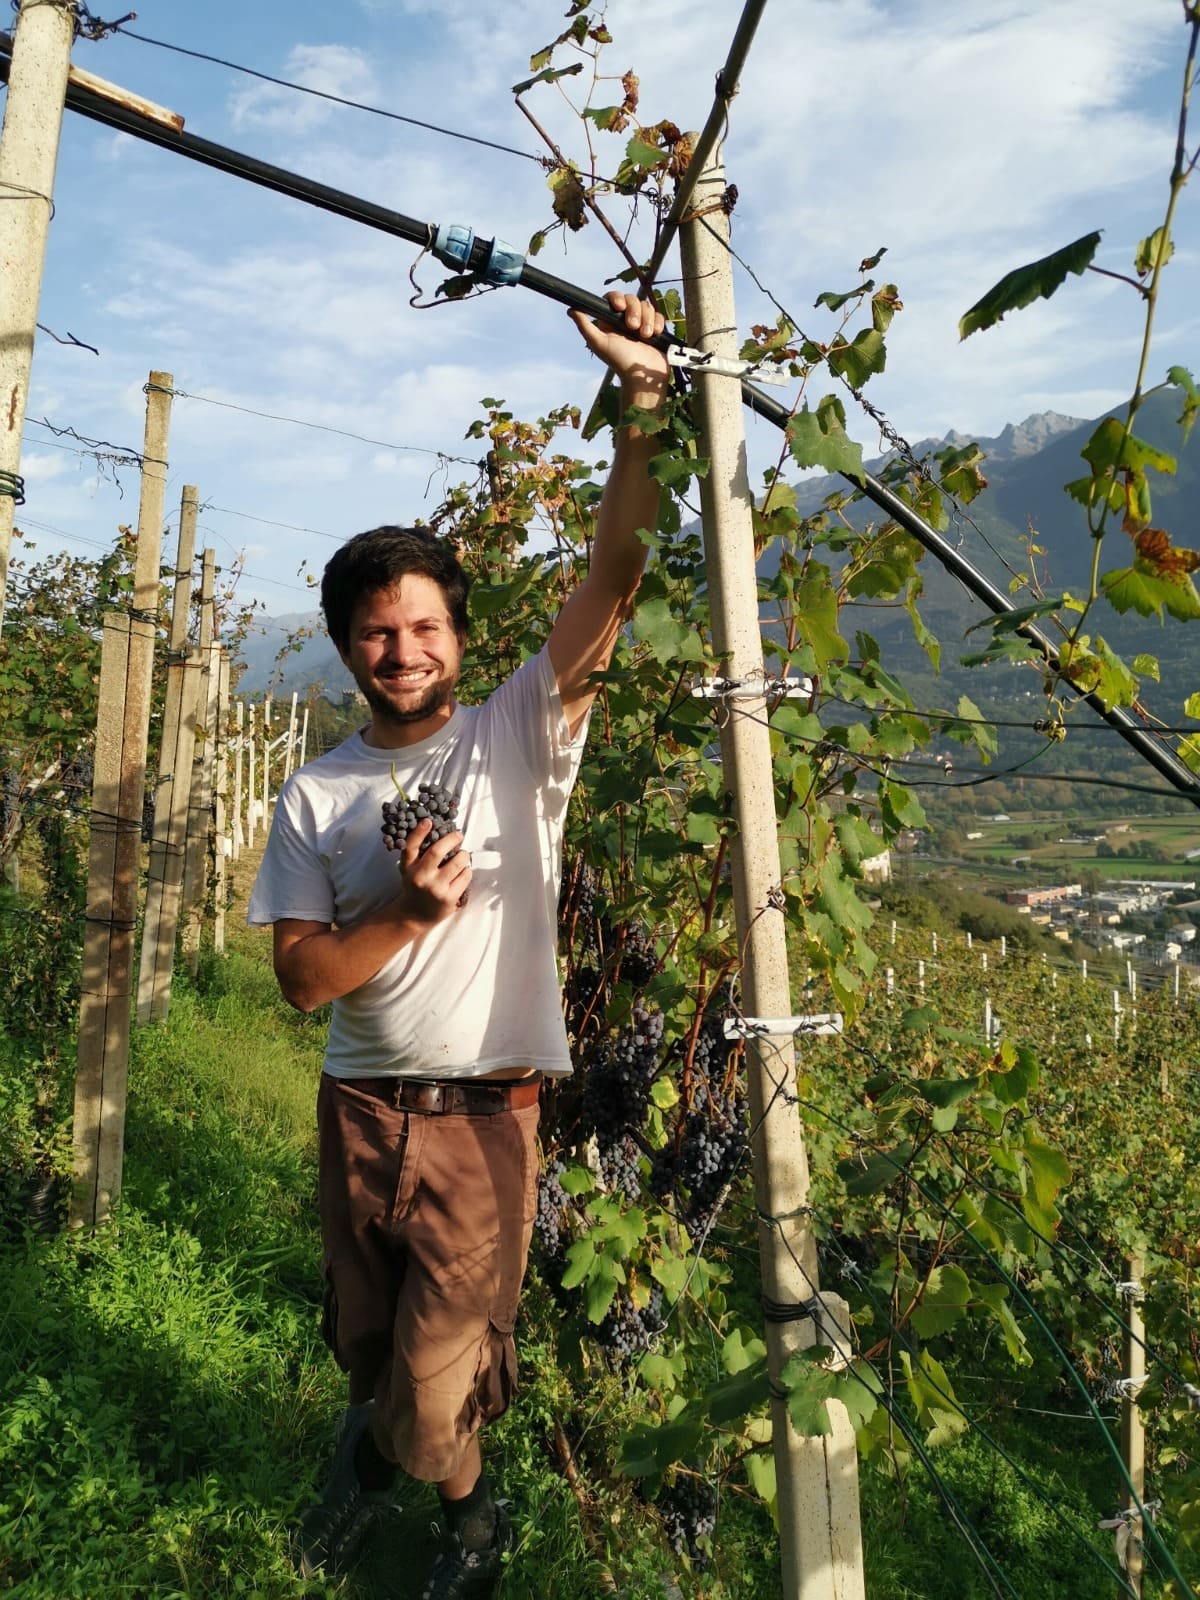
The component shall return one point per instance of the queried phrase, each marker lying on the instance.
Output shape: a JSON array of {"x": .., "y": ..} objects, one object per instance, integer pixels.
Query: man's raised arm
[{"x": 585, "y": 634}]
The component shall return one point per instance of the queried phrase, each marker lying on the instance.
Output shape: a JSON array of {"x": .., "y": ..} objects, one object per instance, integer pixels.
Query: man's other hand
[{"x": 436, "y": 883}]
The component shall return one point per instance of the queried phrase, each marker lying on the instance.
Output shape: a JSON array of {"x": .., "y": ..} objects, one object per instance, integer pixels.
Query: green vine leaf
[
  {"x": 962, "y": 472},
  {"x": 856, "y": 361},
  {"x": 994, "y": 1296},
  {"x": 656, "y": 623},
  {"x": 817, "y": 619},
  {"x": 1182, "y": 379},
  {"x": 835, "y": 301},
  {"x": 819, "y": 439},
  {"x": 932, "y": 1393},
  {"x": 943, "y": 1301},
  {"x": 1036, "y": 281},
  {"x": 868, "y": 1172},
  {"x": 547, "y": 75},
  {"x": 649, "y": 1449},
  {"x": 812, "y": 1386}
]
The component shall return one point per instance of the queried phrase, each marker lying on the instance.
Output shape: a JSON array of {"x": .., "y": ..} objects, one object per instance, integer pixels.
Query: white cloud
[{"x": 330, "y": 68}]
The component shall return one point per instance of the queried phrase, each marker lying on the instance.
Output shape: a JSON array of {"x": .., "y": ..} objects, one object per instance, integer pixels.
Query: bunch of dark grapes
[
  {"x": 620, "y": 1166},
  {"x": 636, "y": 951},
  {"x": 712, "y": 1048},
  {"x": 626, "y": 1331},
  {"x": 688, "y": 1507},
  {"x": 551, "y": 1203},
  {"x": 617, "y": 1086},
  {"x": 401, "y": 816},
  {"x": 661, "y": 1182},
  {"x": 714, "y": 1140},
  {"x": 577, "y": 907}
]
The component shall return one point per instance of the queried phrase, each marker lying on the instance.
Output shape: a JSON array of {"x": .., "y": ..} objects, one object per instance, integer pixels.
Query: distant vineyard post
[
  {"x": 1133, "y": 1433},
  {"x": 223, "y": 845},
  {"x": 173, "y": 792},
  {"x": 114, "y": 856},
  {"x": 820, "y": 1535},
  {"x": 199, "y": 830},
  {"x": 239, "y": 747},
  {"x": 251, "y": 775}
]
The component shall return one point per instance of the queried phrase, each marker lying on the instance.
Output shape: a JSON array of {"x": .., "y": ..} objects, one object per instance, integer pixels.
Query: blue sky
[{"x": 966, "y": 139}]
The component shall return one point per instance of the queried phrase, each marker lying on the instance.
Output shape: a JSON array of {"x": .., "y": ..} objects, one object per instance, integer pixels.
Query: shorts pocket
[{"x": 496, "y": 1374}]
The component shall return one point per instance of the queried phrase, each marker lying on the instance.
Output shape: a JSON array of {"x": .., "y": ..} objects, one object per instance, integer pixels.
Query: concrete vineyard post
[
  {"x": 199, "y": 830},
  {"x": 114, "y": 855},
  {"x": 820, "y": 1537},
  {"x": 33, "y": 112},
  {"x": 165, "y": 872}
]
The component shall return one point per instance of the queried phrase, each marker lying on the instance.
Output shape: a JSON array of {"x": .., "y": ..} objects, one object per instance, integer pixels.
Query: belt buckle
[{"x": 429, "y": 1098}]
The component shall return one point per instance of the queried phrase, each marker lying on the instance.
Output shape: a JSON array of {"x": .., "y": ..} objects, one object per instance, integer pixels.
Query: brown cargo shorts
[{"x": 426, "y": 1222}]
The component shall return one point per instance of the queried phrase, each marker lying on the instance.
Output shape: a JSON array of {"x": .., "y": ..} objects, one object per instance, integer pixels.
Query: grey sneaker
[
  {"x": 332, "y": 1531},
  {"x": 462, "y": 1574}
]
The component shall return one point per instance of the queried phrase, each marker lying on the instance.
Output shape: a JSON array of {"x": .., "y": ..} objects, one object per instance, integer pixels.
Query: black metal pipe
[
  {"x": 1160, "y": 756},
  {"x": 355, "y": 209}
]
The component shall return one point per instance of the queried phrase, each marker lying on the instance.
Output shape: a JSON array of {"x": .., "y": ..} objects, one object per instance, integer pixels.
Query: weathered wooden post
[
  {"x": 237, "y": 835},
  {"x": 165, "y": 872},
  {"x": 114, "y": 855},
  {"x": 223, "y": 844},
  {"x": 199, "y": 832}
]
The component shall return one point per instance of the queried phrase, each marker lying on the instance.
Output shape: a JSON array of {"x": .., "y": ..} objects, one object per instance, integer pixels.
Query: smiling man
[{"x": 446, "y": 1005}]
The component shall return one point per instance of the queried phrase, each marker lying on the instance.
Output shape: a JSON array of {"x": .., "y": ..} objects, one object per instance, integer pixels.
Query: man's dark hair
[{"x": 377, "y": 560}]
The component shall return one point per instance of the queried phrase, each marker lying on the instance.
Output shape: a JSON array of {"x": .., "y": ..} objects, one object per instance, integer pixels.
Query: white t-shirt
[{"x": 481, "y": 989}]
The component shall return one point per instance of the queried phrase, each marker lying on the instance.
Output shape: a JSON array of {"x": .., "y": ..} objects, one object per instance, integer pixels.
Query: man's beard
[{"x": 438, "y": 695}]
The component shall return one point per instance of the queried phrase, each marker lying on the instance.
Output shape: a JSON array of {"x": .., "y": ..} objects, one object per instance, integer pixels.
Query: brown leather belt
[{"x": 473, "y": 1099}]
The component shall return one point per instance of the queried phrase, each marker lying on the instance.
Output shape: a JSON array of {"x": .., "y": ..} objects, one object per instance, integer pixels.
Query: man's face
[{"x": 405, "y": 656}]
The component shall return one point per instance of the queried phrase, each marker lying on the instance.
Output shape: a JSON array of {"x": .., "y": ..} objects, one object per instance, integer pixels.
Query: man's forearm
[
  {"x": 630, "y": 501},
  {"x": 331, "y": 962}
]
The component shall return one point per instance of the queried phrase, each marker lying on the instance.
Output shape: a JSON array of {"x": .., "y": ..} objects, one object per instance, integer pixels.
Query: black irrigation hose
[{"x": 772, "y": 410}]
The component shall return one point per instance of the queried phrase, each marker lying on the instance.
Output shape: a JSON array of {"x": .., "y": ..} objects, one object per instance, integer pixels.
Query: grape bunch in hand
[{"x": 401, "y": 816}]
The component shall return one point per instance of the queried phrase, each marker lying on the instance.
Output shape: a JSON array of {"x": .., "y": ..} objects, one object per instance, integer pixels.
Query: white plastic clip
[
  {"x": 691, "y": 360},
  {"x": 829, "y": 1022},
  {"x": 1124, "y": 1388},
  {"x": 786, "y": 688}
]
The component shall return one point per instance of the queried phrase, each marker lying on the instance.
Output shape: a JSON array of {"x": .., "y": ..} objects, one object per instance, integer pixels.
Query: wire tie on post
[
  {"x": 1130, "y": 1289},
  {"x": 12, "y": 485},
  {"x": 829, "y": 1022},
  {"x": 791, "y": 1310},
  {"x": 784, "y": 1216}
]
